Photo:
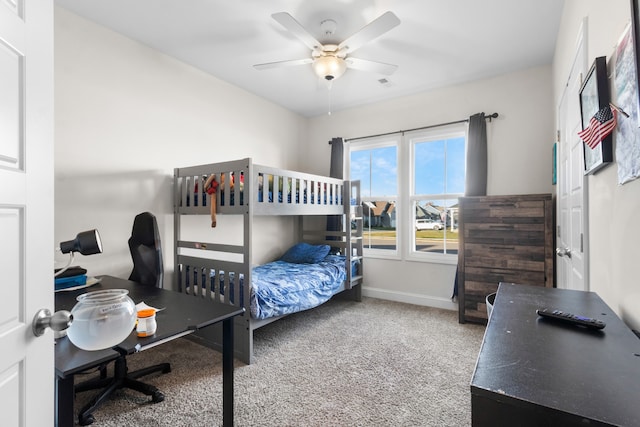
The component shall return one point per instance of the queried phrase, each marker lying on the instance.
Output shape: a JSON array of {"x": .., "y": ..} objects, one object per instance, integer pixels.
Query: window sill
[
  {"x": 434, "y": 259},
  {"x": 424, "y": 258}
]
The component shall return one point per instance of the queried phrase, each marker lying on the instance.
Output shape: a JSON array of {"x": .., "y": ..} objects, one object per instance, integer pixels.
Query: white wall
[
  {"x": 519, "y": 157},
  {"x": 614, "y": 228},
  {"x": 125, "y": 116}
]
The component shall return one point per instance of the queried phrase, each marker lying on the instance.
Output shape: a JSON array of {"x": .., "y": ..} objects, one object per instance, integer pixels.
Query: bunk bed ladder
[{"x": 353, "y": 228}]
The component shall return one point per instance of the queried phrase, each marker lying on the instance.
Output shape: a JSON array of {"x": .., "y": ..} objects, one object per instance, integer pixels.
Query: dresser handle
[{"x": 502, "y": 248}]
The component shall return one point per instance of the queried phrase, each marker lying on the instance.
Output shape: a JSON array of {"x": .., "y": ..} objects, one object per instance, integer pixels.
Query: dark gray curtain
[
  {"x": 476, "y": 161},
  {"x": 476, "y": 183},
  {"x": 337, "y": 158},
  {"x": 336, "y": 170}
]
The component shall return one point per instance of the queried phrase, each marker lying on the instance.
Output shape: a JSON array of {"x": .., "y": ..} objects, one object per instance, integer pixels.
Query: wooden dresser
[{"x": 502, "y": 239}]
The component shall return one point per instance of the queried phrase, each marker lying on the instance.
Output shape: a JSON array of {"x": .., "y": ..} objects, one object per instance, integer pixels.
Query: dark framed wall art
[
  {"x": 626, "y": 95},
  {"x": 594, "y": 96},
  {"x": 635, "y": 31}
]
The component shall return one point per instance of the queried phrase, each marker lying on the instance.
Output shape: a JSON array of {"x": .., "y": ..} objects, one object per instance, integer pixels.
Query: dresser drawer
[
  {"x": 477, "y": 277},
  {"x": 512, "y": 257},
  {"x": 531, "y": 234},
  {"x": 481, "y": 282},
  {"x": 502, "y": 211}
]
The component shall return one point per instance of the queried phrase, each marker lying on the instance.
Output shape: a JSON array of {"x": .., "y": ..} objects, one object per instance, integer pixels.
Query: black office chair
[{"x": 146, "y": 252}]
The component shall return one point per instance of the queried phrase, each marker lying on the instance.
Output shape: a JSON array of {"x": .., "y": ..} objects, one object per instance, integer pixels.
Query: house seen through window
[{"x": 410, "y": 188}]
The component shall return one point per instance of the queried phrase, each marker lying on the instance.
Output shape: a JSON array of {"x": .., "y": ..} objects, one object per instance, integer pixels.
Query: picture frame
[
  {"x": 625, "y": 94},
  {"x": 594, "y": 95},
  {"x": 635, "y": 33}
]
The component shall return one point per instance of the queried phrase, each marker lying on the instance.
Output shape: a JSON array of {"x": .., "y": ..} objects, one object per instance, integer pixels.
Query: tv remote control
[{"x": 587, "y": 322}]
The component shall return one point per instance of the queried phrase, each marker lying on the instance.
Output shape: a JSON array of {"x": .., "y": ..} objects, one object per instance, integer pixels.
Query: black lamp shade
[{"x": 86, "y": 242}]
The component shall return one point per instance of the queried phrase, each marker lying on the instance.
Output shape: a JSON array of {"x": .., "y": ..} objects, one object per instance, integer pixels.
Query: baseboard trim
[{"x": 410, "y": 298}]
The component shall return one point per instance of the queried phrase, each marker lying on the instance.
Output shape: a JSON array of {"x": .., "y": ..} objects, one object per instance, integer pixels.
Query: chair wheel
[
  {"x": 157, "y": 397},
  {"x": 166, "y": 370},
  {"x": 85, "y": 420}
]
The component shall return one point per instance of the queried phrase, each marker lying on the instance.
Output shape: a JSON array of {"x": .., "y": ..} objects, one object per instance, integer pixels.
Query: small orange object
[
  {"x": 147, "y": 312},
  {"x": 146, "y": 325}
]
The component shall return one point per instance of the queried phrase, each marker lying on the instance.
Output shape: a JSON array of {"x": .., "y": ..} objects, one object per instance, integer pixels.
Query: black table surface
[
  {"x": 181, "y": 313},
  {"x": 70, "y": 360},
  {"x": 529, "y": 361}
]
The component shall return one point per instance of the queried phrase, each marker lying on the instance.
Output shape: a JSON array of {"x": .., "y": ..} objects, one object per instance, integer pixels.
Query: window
[
  {"x": 438, "y": 165},
  {"x": 410, "y": 187},
  {"x": 376, "y": 166}
]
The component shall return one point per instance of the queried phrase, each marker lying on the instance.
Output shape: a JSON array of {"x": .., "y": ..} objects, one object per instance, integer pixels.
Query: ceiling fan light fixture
[{"x": 329, "y": 67}]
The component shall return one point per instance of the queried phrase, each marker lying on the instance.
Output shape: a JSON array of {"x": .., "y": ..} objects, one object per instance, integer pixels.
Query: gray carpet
[{"x": 373, "y": 363}]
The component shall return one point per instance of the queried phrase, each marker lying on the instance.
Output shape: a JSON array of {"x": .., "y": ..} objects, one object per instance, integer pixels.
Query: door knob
[
  {"x": 563, "y": 252},
  {"x": 59, "y": 321}
]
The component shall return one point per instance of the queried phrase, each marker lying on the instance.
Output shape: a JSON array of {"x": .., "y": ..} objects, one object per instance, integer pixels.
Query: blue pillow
[{"x": 304, "y": 253}]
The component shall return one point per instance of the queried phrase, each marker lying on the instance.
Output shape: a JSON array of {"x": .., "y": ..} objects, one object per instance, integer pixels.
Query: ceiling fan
[{"x": 330, "y": 61}]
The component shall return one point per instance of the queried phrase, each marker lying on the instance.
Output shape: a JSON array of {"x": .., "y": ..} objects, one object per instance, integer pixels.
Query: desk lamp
[
  {"x": 100, "y": 319},
  {"x": 86, "y": 242}
]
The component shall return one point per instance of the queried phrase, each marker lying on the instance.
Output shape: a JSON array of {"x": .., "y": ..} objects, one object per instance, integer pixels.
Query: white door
[
  {"x": 26, "y": 211},
  {"x": 571, "y": 238}
]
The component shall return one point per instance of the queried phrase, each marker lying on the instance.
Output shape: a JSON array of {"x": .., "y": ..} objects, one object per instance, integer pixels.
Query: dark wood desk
[
  {"x": 535, "y": 372},
  {"x": 182, "y": 315}
]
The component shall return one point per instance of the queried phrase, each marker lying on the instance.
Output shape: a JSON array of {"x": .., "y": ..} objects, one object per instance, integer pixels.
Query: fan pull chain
[{"x": 329, "y": 85}]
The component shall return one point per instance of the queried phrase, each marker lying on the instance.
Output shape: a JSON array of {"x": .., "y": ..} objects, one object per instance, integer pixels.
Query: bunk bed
[{"x": 226, "y": 272}]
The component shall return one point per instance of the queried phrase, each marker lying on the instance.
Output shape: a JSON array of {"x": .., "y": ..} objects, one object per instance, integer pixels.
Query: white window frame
[
  {"x": 406, "y": 197},
  {"x": 411, "y": 139},
  {"x": 369, "y": 144}
]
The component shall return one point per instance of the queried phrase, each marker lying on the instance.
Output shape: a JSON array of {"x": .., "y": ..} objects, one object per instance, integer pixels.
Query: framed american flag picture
[{"x": 598, "y": 119}]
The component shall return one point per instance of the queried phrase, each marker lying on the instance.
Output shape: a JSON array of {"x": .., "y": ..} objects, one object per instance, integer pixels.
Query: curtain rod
[{"x": 490, "y": 116}]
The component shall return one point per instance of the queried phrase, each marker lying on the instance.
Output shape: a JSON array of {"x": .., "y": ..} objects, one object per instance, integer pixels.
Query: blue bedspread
[{"x": 280, "y": 287}]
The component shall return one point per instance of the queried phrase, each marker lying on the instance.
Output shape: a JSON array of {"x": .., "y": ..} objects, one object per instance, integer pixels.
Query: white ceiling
[{"x": 438, "y": 43}]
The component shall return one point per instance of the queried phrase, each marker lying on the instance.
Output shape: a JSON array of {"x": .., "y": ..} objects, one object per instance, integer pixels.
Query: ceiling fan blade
[
  {"x": 374, "y": 29},
  {"x": 371, "y": 66},
  {"x": 294, "y": 27},
  {"x": 279, "y": 64}
]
